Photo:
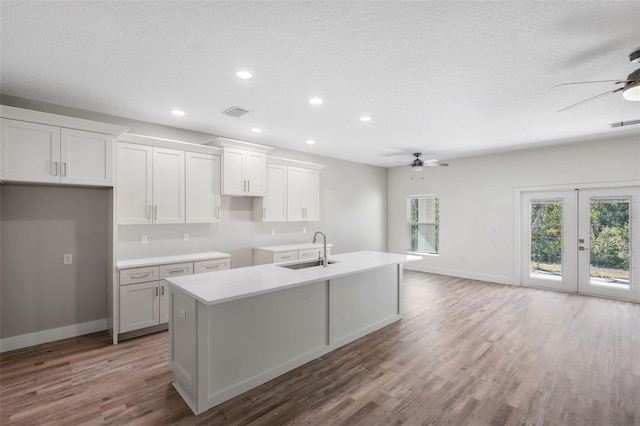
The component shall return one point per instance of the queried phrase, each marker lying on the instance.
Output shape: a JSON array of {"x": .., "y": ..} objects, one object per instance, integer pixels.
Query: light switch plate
[
  {"x": 182, "y": 314},
  {"x": 185, "y": 237},
  {"x": 143, "y": 239}
]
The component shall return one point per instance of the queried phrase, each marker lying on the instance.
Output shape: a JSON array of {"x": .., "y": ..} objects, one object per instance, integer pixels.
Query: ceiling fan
[
  {"x": 630, "y": 89},
  {"x": 418, "y": 164}
]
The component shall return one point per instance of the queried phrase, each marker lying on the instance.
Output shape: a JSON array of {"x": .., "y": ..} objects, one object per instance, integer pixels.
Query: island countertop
[{"x": 217, "y": 287}]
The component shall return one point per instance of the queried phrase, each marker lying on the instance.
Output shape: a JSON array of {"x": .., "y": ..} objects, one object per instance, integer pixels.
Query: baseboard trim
[
  {"x": 462, "y": 274},
  {"x": 53, "y": 334}
]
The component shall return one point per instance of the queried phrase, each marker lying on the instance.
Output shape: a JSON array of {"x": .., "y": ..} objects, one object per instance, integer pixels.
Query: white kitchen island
[{"x": 232, "y": 330}]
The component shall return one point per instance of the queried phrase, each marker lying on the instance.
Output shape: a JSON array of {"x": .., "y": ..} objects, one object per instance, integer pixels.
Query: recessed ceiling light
[
  {"x": 256, "y": 130},
  {"x": 310, "y": 142},
  {"x": 177, "y": 112},
  {"x": 315, "y": 101},
  {"x": 365, "y": 118},
  {"x": 245, "y": 75}
]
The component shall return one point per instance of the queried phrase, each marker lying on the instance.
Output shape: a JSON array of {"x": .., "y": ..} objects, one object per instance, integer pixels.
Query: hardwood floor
[{"x": 465, "y": 353}]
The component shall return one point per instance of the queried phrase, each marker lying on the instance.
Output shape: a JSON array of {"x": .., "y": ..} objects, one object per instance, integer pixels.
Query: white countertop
[
  {"x": 222, "y": 286},
  {"x": 152, "y": 261},
  {"x": 292, "y": 247}
]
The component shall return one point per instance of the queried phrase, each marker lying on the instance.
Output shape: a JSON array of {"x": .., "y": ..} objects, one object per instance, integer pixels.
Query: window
[{"x": 423, "y": 224}]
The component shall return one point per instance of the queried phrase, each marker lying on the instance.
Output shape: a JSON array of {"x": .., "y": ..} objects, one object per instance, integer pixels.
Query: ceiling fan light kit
[{"x": 630, "y": 90}]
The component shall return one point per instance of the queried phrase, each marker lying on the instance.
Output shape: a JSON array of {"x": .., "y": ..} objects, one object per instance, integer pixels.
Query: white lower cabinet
[
  {"x": 144, "y": 295},
  {"x": 289, "y": 253},
  {"x": 139, "y": 306}
]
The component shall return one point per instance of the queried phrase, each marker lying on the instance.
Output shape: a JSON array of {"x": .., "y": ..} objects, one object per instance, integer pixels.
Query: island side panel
[
  {"x": 183, "y": 345},
  {"x": 364, "y": 302},
  {"x": 246, "y": 342}
]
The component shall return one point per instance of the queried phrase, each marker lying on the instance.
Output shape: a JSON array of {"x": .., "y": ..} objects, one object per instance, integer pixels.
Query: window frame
[{"x": 435, "y": 224}]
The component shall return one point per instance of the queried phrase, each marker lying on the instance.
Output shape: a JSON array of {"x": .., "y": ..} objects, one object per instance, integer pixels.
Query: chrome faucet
[{"x": 324, "y": 259}]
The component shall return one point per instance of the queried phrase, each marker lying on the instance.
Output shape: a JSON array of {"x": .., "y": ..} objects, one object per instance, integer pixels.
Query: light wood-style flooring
[{"x": 465, "y": 353}]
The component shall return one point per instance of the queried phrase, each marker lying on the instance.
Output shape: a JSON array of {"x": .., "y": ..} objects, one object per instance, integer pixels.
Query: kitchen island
[{"x": 232, "y": 330}]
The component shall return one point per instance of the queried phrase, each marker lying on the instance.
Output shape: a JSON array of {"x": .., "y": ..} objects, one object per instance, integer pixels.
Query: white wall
[{"x": 477, "y": 227}]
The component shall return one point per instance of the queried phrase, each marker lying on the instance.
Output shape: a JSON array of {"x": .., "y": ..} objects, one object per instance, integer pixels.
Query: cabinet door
[
  {"x": 233, "y": 177},
  {"x": 85, "y": 157},
  {"x": 30, "y": 152},
  {"x": 139, "y": 306},
  {"x": 202, "y": 188},
  {"x": 134, "y": 183},
  {"x": 274, "y": 202},
  {"x": 164, "y": 302},
  {"x": 168, "y": 186},
  {"x": 255, "y": 172},
  {"x": 295, "y": 183},
  {"x": 311, "y": 194}
]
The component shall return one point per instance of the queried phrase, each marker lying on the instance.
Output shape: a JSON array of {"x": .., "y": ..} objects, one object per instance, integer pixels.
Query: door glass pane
[
  {"x": 546, "y": 240},
  {"x": 609, "y": 243}
]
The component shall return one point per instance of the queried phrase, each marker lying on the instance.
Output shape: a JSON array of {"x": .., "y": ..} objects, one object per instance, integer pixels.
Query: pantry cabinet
[{"x": 42, "y": 153}]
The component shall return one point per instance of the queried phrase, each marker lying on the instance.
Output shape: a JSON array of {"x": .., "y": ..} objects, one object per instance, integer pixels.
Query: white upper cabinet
[
  {"x": 292, "y": 193},
  {"x": 30, "y": 152},
  {"x": 273, "y": 206},
  {"x": 134, "y": 184},
  {"x": 168, "y": 186},
  {"x": 303, "y": 189},
  {"x": 86, "y": 157},
  {"x": 150, "y": 185},
  {"x": 243, "y": 167},
  {"x": 37, "y": 147},
  {"x": 203, "y": 187}
]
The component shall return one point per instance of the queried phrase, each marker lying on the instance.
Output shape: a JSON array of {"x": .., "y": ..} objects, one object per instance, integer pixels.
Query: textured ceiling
[{"x": 450, "y": 79}]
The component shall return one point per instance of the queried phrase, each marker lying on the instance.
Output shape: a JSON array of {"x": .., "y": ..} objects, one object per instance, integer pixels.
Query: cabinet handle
[
  {"x": 162, "y": 290},
  {"x": 264, "y": 212},
  {"x": 244, "y": 185},
  {"x": 136, "y": 277},
  {"x": 64, "y": 168},
  {"x": 248, "y": 186},
  {"x": 156, "y": 291},
  {"x": 54, "y": 168},
  {"x": 218, "y": 210},
  {"x": 175, "y": 271},
  {"x": 212, "y": 267},
  {"x": 155, "y": 212},
  {"x": 149, "y": 212}
]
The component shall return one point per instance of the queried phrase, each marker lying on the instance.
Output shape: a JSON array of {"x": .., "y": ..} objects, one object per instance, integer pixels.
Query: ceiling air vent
[{"x": 236, "y": 112}]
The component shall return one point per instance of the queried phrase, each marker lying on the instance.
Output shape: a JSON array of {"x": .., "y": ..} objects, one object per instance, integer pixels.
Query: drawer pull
[
  {"x": 177, "y": 271},
  {"x": 137, "y": 277},
  {"x": 212, "y": 267},
  {"x": 286, "y": 257}
]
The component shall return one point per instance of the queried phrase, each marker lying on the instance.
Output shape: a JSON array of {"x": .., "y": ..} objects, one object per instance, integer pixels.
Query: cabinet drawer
[
  {"x": 309, "y": 254},
  {"x": 139, "y": 275},
  {"x": 211, "y": 265},
  {"x": 285, "y": 256},
  {"x": 175, "y": 270}
]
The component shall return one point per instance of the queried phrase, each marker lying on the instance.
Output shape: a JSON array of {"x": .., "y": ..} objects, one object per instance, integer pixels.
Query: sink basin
[{"x": 305, "y": 265}]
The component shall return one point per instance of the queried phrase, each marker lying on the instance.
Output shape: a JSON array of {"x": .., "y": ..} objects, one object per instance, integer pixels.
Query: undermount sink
[{"x": 305, "y": 265}]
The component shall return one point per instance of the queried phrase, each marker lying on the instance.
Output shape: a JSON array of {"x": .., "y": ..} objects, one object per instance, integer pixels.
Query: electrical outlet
[
  {"x": 143, "y": 239},
  {"x": 68, "y": 259},
  {"x": 185, "y": 237},
  {"x": 182, "y": 314},
  {"x": 304, "y": 230}
]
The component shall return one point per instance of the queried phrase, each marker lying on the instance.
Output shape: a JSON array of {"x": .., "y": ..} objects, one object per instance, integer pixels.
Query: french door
[{"x": 585, "y": 241}]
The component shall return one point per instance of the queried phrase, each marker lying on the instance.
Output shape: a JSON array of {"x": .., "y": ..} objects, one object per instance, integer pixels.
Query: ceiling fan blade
[
  {"x": 596, "y": 81},
  {"x": 436, "y": 164},
  {"x": 591, "y": 98}
]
